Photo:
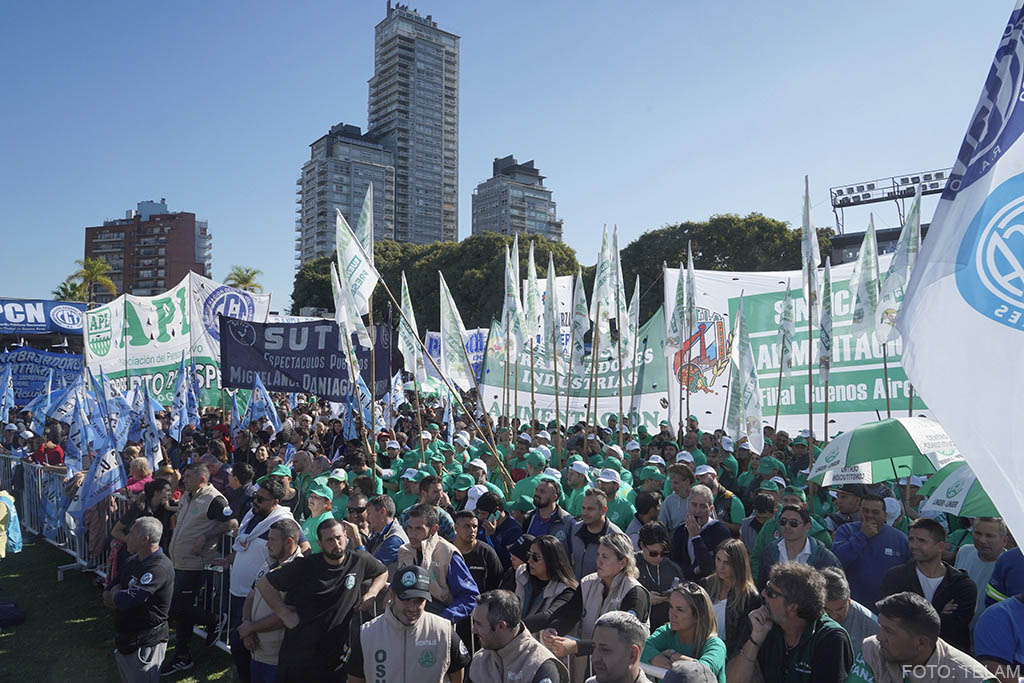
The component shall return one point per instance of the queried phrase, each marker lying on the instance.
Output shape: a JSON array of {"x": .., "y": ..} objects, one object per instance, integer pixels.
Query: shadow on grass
[{"x": 69, "y": 634}]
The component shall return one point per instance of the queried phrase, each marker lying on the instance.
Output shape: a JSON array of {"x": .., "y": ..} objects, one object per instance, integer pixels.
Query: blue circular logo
[
  {"x": 68, "y": 317},
  {"x": 229, "y": 302},
  {"x": 990, "y": 263}
]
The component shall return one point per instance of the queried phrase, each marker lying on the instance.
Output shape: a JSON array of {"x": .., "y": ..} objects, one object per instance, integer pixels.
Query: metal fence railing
[{"x": 41, "y": 500}]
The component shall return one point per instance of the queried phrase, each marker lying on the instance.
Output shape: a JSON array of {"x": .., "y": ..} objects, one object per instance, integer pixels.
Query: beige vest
[
  {"x": 517, "y": 662},
  {"x": 594, "y": 605},
  {"x": 437, "y": 558},
  {"x": 192, "y": 525},
  {"x": 956, "y": 666},
  {"x": 269, "y": 641},
  {"x": 394, "y": 652},
  {"x": 551, "y": 591}
]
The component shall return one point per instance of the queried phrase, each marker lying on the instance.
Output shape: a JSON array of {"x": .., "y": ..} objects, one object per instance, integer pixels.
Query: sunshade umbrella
[
  {"x": 430, "y": 386},
  {"x": 884, "y": 450},
  {"x": 956, "y": 490}
]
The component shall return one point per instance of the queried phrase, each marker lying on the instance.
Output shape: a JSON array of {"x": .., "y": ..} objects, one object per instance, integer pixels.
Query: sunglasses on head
[{"x": 791, "y": 522}]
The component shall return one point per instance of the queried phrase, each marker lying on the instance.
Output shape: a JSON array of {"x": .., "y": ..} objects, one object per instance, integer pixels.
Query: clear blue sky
[{"x": 639, "y": 114}]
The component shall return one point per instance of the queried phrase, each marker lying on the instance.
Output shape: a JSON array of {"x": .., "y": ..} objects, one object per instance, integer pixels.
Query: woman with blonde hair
[
  {"x": 689, "y": 634},
  {"x": 733, "y": 593},
  {"x": 614, "y": 586}
]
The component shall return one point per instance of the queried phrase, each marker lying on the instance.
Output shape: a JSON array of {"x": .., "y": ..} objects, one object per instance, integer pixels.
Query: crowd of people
[{"x": 538, "y": 553}]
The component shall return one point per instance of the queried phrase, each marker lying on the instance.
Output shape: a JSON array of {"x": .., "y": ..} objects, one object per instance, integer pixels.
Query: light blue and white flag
[
  {"x": 179, "y": 405},
  {"x": 151, "y": 433},
  {"x": 236, "y": 416},
  {"x": 105, "y": 476},
  {"x": 6, "y": 392},
  {"x": 79, "y": 438},
  {"x": 962, "y": 319},
  {"x": 261, "y": 405}
]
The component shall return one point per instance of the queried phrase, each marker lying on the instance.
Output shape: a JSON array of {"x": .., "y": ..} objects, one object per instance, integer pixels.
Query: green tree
[
  {"x": 474, "y": 269},
  {"x": 243, "y": 277},
  {"x": 92, "y": 273},
  {"x": 68, "y": 291}
]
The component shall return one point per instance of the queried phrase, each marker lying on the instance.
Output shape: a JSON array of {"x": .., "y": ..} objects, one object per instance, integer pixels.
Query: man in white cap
[
  {"x": 620, "y": 510},
  {"x": 686, "y": 459},
  {"x": 728, "y": 507},
  {"x": 544, "y": 437},
  {"x": 577, "y": 478},
  {"x": 517, "y": 459},
  {"x": 477, "y": 469}
]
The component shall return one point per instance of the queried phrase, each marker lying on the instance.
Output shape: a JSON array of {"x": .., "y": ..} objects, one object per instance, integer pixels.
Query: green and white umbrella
[
  {"x": 430, "y": 386},
  {"x": 955, "y": 489},
  {"x": 884, "y": 450}
]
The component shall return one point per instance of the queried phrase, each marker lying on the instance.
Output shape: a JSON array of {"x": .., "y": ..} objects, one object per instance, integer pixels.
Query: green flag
[
  {"x": 345, "y": 314},
  {"x": 454, "y": 361},
  {"x": 810, "y": 254},
  {"x": 512, "y": 315},
  {"x": 898, "y": 275},
  {"x": 634, "y": 311},
  {"x": 825, "y": 332},
  {"x": 408, "y": 337},
  {"x": 552, "y": 330},
  {"x": 580, "y": 324},
  {"x": 786, "y": 333},
  {"x": 864, "y": 284},
  {"x": 364, "y": 228}
]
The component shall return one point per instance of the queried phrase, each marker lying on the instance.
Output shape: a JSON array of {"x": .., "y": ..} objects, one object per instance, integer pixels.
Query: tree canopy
[
  {"x": 91, "y": 271},
  {"x": 244, "y": 278},
  {"x": 474, "y": 267}
]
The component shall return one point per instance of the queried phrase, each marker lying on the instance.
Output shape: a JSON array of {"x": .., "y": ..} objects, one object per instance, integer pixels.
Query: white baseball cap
[
  {"x": 477, "y": 462},
  {"x": 633, "y": 446},
  {"x": 656, "y": 460},
  {"x": 704, "y": 469},
  {"x": 393, "y": 444},
  {"x": 727, "y": 444},
  {"x": 553, "y": 473},
  {"x": 543, "y": 434},
  {"x": 525, "y": 437},
  {"x": 410, "y": 473},
  {"x": 545, "y": 451},
  {"x": 609, "y": 475},
  {"x": 473, "y": 495},
  {"x": 11, "y": 428},
  {"x": 780, "y": 481},
  {"x": 684, "y": 456},
  {"x": 461, "y": 440},
  {"x": 914, "y": 481},
  {"x": 614, "y": 449},
  {"x": 581, "y": 467}
]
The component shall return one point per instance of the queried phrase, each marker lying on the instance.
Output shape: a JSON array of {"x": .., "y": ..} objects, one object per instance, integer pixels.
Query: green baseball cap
[
  {"x": 520, "y": 503},
  {"x": 437, "y": 456},
  {"x": 673, "y": 444},
  {"x": 799, "y": 441},
  {"x": 433, "y": 427},
  {"x": 321, "y": 490},
  {"x": 536, "y": 459},
  {"x": 281, "y": 471},
  {"x": 650, "y": 472},
  {"x": 575, "y": 457},
  {"x": 793, "y": 491},
  {"x": 464, "y": 482},
  {"x": 768, "y": 463},
  {"x": 768, "y": 485},
  {"x": 664, "y": 423},
  {"x": 596, "y": 460}
]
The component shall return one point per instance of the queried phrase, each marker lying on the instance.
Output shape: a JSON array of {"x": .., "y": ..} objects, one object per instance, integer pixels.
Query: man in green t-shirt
[
  {"x": 320, "y": 501},
  {"x": 620, "y": 510}
]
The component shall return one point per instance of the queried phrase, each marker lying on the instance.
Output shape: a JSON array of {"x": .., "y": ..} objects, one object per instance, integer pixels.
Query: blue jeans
[{"x": 263, "y": 673}]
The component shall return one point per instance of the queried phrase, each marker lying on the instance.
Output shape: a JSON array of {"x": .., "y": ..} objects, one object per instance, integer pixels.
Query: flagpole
[
  {"x": 515, "y": 396},
  {"x": 728, "y": 386},
  {"x": 885, "y": 374},
  {"x": 391, "y": 374},
  {"x": 533, "y": 397},
  {"x": 618, "y": 347},
  {"x": 568, "y": 374},
  {"x": 826, "y": 410},
  {"x": 419, "y": 413},
  {"x": 372, "y": 386},
  {"x": 480, "y": 399},
  {"x": 810, "y": 383},
  {"x": 472, "y": 418},
  {"x": 778, "y": 395},
  {"x": 504, "y": 386},
  {"x": 558, "y": 412},
  {"x": 910, "y": 407},
  {"x": 354, "y": 372},
  {"x": 632, "y": 368},
  {"x": 689, "y": 357},
  {"x": 593, "y": 367}
]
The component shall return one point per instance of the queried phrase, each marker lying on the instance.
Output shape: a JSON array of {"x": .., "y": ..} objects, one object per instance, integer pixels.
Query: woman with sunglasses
[
  {"x": 613, "y": 586},
  {"x": 689, "y": 634},
  {"x": 658, "y": 574},
  {"x": 545, "y": 586},
  {"x": 733, "y": 594}
]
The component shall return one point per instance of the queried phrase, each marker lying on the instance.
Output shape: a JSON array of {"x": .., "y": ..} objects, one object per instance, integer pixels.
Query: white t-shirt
[
  {"x": 928, "y": 585},
  {"x": 719, "y": 608}
]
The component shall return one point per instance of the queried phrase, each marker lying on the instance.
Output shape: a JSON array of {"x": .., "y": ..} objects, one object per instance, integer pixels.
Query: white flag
[
  {"x": 408, "y": 337},
  {"x": 551, "y": 327},
  {"x": 963, "y": 313},
  {"x": 810, "y": 253},
  {"x": 825, "y": 328},
  {"x": 744, "y": 417},
  {"x": 454, "y": 361},
  {"x": 534, "y": 314},
  {"x": 580, "y": 324},
  {"x": 356, "y": 267},
  {"x": 675, "y": 336},
  {"x": 786, "y": 333},
  {"x": 634, "y": 311},
  {"x": 364, "y": 228},
  {"x": 621, "y": 303},
  {"x": 864, "y": 284},
  {"x": 898, "y": 275},
  {"x": 346, "y": 314},
  {"x": 604, "y": 288},
  {"x": 512, "y": 315}
]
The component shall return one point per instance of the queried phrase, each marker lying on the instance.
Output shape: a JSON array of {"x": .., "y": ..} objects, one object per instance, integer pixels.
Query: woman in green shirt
[{"x": 689, "y": 634}]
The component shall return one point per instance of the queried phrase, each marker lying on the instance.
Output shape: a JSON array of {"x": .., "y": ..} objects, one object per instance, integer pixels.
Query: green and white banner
[
  {"x": 642, "y": 383},
  {"x": 141, "y": 339},
  {"x": 856, "y": 387}
]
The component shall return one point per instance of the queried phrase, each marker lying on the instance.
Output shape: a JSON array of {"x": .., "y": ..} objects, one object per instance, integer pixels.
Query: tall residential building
[
  {"x": 341, "y": 167},
  {"x": 414, "y": 111},
  {"x": 515, "y": 200},
  {"x": 150, "y": 249}
]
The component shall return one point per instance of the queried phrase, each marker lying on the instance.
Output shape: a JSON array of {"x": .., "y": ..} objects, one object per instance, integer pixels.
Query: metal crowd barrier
[{"x": 41, "y": 502}]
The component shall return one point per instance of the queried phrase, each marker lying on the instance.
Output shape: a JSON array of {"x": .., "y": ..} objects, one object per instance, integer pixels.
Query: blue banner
[
  {"x": 37, "y": 316},
  {"x": 31, "y": 368},
  {"x": 299, "y": 356}
]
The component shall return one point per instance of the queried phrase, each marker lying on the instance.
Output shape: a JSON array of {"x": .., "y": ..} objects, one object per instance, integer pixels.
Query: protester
[
  {"x": 141, "y": 597},
  {"x": 261, "y": 631},
  {"x": 949, "y": 590},
  {"x": 676, "y": 505},
  {"x": 508, "y": 652},
  {"x": 795, "y": 545},
  {"x": 315, "y": 597},
  {"x": 733, "y": 594},
  {"x": 407, "y": 643},
  {"x": 648, "y": 507},
  {"x": 999, "y": 639},
  {"x": 764, "y": 510},
  {"x": 658, "y": 574},
  {"x": 618, "y": 641},
  {"x": 847, "y": 508},
  {"x": 386, "y": 534},
  {"x": 694, "y": 542},
  {"x": 592, "y": 527},
  {"x": 858, "y": 621},
  {"x": 497, "y": 528},
  {"x": 481, "y": 559},
  {"x": 451, "y": 584},
  {"x": 203, "y": 517},
  {"x": 728, "y": 507},
  {"x": 792, "y": 633},
  {"x": 908, "y": 638},
  {"x": 978, "y": 559},
  {"x": 548, "y": 517},
  {"x": 546, "y": 586},
  {"x": 868, "y": 549}
]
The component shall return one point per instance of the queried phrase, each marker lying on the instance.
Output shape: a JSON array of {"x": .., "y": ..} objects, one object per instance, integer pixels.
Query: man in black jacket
[
  {"x": 141, "y": 596},
  {"x": 695, "y": 540},
  {"x": 950, "y": 591}
]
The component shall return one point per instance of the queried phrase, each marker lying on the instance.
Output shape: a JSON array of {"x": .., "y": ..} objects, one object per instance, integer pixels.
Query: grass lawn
[{"x": 68, "y": 634}]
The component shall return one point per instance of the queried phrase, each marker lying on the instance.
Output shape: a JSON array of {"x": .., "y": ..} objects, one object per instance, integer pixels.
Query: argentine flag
[{"x": 962, "y": 319}]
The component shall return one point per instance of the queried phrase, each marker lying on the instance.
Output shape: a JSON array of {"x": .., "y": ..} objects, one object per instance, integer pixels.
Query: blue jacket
[
  {"x": 464, "y": 590},
  {"x": 820, "y": 558},
  {"x": 866, "y": 560},
  {"x": 503, "y": 538}
]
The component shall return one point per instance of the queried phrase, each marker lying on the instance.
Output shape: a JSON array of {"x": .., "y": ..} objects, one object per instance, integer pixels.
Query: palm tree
[
  {"x": 243, "y": 277},
  {"x": 92, "y": 271},
  {"x": 68, "y": 291}
]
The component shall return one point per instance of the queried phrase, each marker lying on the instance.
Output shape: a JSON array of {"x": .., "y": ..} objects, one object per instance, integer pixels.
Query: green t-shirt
[
  {"x": 378, "y": 485},
  {"x": 712, "y": 655},
  {"x": 620, "y": 512},
  {"x": 574, "y": 505},
  {"x": 309, "y": 529},
  {"x": 339, "y": 507},
  {"x": 403, "y": 501},
  {"x": 525, "y": 486}
]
